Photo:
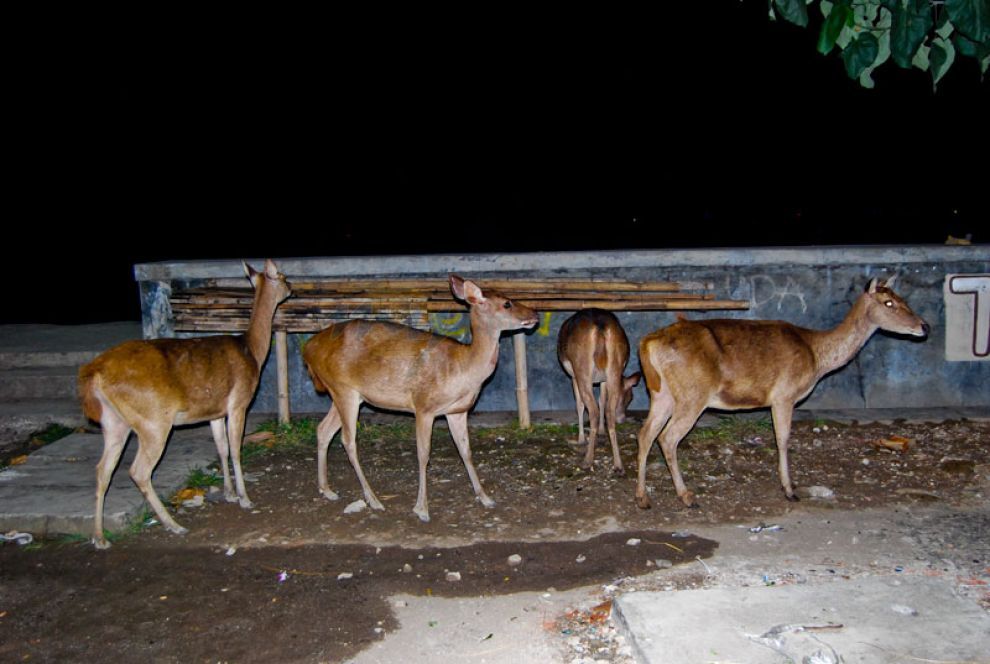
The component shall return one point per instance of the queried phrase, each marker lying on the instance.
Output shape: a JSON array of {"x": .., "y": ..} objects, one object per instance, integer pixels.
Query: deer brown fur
[
  {"x": 740, "y": 364},
  {"x": 593, "y": 349},
  {"x": 148, "y": 386},
  {"x": 398, "y": 368}
]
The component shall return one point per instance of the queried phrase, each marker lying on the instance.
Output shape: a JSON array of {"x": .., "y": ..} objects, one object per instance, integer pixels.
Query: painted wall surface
[{"x": 810, "y": 287}]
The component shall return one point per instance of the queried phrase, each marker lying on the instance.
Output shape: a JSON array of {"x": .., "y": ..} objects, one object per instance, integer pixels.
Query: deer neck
[
  {"x": 259, "y": 333},
  {"x": 836, "y": 347},
  {"x": 483, "y": 351}
]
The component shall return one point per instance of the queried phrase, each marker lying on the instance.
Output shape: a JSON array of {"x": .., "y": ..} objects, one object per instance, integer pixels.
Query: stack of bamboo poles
[{"x": 315, "y": 304}]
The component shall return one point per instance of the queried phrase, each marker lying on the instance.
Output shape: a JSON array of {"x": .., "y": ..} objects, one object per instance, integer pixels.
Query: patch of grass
[
  {"x": 203, "y": 478},
  {"x": 731, "y": 429},
  {"x": 53, "y": 432}
]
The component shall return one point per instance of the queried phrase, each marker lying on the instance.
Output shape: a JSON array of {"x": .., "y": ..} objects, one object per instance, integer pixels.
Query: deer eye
[
  {"x": 507, "y": 304},
  {"x": 888, "y": 303}
]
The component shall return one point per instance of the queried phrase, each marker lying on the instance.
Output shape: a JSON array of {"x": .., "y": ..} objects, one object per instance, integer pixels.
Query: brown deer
[
  {"x": 593, "y": 348},
  {"x": 148, "y": 386},
  {"x": 398, "y": 368},
  {"x": 740, "y": 364}
]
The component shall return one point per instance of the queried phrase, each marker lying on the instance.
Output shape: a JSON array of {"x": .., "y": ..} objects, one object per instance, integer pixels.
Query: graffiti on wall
[
  {"x": 775, "y": 292},
  {"x": 967, "y": 317}
]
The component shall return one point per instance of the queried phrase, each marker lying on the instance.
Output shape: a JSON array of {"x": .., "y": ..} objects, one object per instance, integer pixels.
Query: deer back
[{"x": 591, "y": 341}]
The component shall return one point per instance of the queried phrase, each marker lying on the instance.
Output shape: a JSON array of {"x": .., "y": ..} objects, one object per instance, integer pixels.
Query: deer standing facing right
[
  {"x": 593, "y": 348},
  {"x": 739, "y": 364},
  {"x": 148, "y": 386},
  {"x": 399, "y": 368}
]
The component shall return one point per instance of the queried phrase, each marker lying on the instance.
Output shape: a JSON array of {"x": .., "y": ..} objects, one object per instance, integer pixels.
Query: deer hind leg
[
  {"x": 459, "y": 432},
  {"x": 610, "y": 406},
  {"x": 235, "y": 431},
  {"x": 580, "y": 410},
  {"x": 661, "y": 406},
  {"x": 115, "y": 433},
  {"x": 324, "y": 434},
  {"x": 681, "y": 422},
  {"x": 151, "y": 444},
  {"x": 424, "y": 434},
  {"x": 782, "y": 413},
  {"x": 348, "y": 407},
  {"x": 588, "y": 396},
  {"x": 219, "y": 429}
]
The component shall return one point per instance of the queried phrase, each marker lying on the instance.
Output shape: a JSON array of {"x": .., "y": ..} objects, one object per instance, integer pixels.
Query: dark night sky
[{"x": 387, "y": 133}]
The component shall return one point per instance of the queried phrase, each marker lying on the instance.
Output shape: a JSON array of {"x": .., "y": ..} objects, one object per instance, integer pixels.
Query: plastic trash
[{"x": 22, "y": 539}]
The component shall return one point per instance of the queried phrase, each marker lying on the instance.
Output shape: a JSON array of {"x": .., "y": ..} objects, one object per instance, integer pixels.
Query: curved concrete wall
[{"x": 811, "y": 287}]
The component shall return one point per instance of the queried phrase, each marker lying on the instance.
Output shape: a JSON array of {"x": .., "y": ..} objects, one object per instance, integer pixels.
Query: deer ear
[
  {"x": 271, "y": 270},
  {"x": 457, "y": 286},
  {"x": 872, "y": 288},
  {"x": 890, "y": 282},
  {"x": 249, "y": 271}
]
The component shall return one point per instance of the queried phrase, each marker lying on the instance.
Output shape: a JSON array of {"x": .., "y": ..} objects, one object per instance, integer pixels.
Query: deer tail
[{"x": 91, "y": 406}]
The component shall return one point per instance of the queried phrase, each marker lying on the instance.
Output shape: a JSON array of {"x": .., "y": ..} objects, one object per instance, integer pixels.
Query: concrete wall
[{"x": 811, "y": 287}]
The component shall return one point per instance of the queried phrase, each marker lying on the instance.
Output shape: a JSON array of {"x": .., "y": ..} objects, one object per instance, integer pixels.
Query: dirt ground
[{"x": 298, "y": 579}]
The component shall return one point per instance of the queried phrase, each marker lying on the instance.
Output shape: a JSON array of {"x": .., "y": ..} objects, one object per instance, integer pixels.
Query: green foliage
[{"x": 928, "y": 34}]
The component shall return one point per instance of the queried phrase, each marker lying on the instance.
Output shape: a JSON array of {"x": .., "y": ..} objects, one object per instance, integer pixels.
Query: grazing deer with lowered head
[
  {"x": 148, "y": 386},
  {"x": 740, "y": 364},
  {"x": 399, "y": 368},
  {"x": 593, "y": 348}
]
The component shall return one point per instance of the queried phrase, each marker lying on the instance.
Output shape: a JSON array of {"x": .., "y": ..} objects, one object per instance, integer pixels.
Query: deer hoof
[
  {"x": 689, "y": 501},
  {"x": 792, "y": 497},
  {"x": 376, "y": 504},
  {"x": 176, "y": 529},
  {"x": 618, "y": 471},
  {"x": 329, "y": 495},
  {"x": 245, "y": 503},
  {"x": 486, "y": 501},
  {"x": 424, "y": 515},
  {"x": 643, "y": 503},
  {"x": 230, "y": 497}
]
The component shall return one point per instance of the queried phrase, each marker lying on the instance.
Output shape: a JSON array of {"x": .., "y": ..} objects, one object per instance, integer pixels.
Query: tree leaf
[
  {"x": 920, "y": 59},
  {"x": 971, "y": 17},
  {"x": 942, "y": 55},
  {"x": 832, "y": 27},
  {"x": 911, "y": 23},
  {"x": 964, "y": 46},
  {"x": 866, "y": 78},
  {"x": 795, "y": 11},
  {"x": 860, "y": 54}
]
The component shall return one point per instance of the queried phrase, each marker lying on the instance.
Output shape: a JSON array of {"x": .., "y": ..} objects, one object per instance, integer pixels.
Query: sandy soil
[{"x": 298, "y": 579}]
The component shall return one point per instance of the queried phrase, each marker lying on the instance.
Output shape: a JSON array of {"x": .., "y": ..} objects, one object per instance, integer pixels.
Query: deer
[
  {"x": 735, "y": 364},
  {"x": 149, "y": 386},
  {"x": 593, "y": 349},
  {"x": 399, "y": 368}
]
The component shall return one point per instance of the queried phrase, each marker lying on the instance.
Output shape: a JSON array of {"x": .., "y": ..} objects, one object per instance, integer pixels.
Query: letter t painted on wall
[{"x": 979, "y": 287}]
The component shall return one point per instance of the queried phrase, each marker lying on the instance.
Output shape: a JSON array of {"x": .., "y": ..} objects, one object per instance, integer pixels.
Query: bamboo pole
[
  {"x": 522, "y": 382},
  {"x": 282, "y": 371}
]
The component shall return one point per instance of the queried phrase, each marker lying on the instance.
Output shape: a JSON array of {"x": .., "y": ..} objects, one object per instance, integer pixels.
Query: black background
[{"x": 176, "y": 137}]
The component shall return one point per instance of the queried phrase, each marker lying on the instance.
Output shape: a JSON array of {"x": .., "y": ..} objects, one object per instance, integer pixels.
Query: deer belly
[{"x": 740, "y": 397}]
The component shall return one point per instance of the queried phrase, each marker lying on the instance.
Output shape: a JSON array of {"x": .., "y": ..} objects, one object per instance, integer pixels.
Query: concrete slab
[
  {"x": 54, "y": 491},
  {"x": 870, "y": 619}
]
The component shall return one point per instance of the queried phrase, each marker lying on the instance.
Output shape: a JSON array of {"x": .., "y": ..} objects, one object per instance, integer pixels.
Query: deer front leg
[
  {"x": 324, "y": 435},
  {"x": 782, "y": 414},
  {"x": 459, "y": 432},
  {"x": 219, "y": 428},
  {"x": 424, "y": 434},
  {"x": 235, "y": 433}
]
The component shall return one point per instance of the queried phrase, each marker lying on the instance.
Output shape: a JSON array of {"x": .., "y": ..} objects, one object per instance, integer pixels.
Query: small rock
[
  {"x": 663, "y": 563},
  {"x": 633, "y": 541},
  {"x": 818, "y": 491},
  {"x": 357, "y": 506},
  {"x": 581, "y": 558},
  {"x": 195, "y": 501},
  {"x": 344, "y": 575},
  {"x": 407, "y": 568},
  {"x": 453, "y": 576},
  {"x": 515, "y": 559},
  {"x": 903, "y": 610}
]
